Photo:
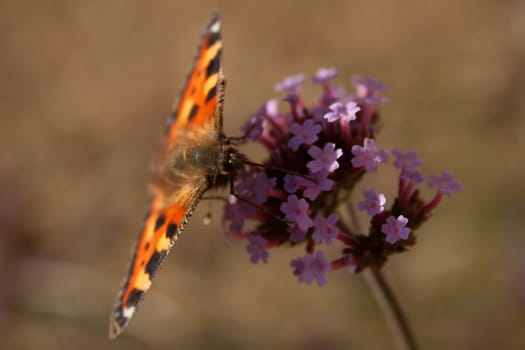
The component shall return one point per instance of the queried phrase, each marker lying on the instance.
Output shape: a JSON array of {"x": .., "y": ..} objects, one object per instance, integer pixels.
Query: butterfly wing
[
  {"x": 203, "y": 93},
  {"x": 161, "y": 229},
  {"x": 197, "y": 117}
]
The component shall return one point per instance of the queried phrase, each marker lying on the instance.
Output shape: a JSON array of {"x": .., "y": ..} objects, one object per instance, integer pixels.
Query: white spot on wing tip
[
  {"x": 128, "y": 311},
  {"x": 216, "y": 26}
]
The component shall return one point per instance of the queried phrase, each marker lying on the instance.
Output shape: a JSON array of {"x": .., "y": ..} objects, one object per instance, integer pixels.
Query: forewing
[
  {"x": 162, "y": 226},
  {"x": 200, "y": 102}
]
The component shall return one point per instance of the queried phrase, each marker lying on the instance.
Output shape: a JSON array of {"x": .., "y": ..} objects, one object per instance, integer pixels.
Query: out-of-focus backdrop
[{"x": 85, "y": 89}]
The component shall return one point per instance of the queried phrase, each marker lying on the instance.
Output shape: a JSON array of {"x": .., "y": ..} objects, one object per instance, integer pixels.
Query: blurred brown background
[{"x": 85, "y": 89}]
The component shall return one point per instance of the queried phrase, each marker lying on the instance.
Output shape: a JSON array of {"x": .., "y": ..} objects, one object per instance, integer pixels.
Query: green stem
[{"x": 391, "y": 309}]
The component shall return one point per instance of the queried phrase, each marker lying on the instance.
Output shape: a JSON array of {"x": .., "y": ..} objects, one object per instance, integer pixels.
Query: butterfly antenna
[{"x": 283, "y": 170}]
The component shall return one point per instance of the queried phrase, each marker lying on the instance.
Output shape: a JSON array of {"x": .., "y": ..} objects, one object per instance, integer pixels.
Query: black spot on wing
[
  {"x": 214, "y": 37},
  {"x": 193, "y": 111},
  {"x": 214, "y": 65},
  {"x": 134, "y": 297},
  {"x": 154, "y": 263},
  {"x": 211, "y": 93},
  {"x": 171, "y": 230},
  {"x": 160, "y": 222}
]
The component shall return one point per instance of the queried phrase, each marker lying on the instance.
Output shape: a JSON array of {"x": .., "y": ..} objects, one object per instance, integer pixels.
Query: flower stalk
[{"x": 391, "y": 310}]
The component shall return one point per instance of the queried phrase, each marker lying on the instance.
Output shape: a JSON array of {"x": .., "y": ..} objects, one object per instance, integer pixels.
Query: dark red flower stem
[
  {"x": 432, "y": 204},
  {"x": 338, "y": 264},
  {"x": 345, "y": 239}
]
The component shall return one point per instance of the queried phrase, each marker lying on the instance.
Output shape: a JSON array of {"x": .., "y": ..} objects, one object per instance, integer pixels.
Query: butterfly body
[{"x": 196, "y": 156}]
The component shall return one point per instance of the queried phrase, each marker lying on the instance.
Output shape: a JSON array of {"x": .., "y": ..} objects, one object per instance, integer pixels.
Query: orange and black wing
[
  {"x": 162, "y": 227},
  {"x": 199, "y": 112},
  {"x": 200, "y": 103}
]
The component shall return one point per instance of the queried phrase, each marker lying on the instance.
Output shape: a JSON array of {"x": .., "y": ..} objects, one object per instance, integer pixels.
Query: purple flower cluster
[{"x": 315, "y": 157}]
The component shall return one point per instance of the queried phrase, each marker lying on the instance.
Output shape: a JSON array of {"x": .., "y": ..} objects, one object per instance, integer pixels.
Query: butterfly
[{"x": 195, "y": 157}]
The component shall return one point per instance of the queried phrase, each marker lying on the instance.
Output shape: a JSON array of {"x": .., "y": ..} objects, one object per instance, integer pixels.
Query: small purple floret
[
  {"x": 323, "y": 75},
  {"x": 317, "y": 183},
  {"x": 257, "y": 249},
  {"x": 290, "y": 84},
  {"x": 373, "y": 203},
  {"x": 292, "y": 183},
  {"x": 234, "y": 218},
  {"x": 395, "y": 229},
  {"x": 408, "y": 161},
  {"x": 368, "y": 156},
  {"x": 272, "y": 107},
  {"x": 303, "y": 268},
  {"x": 324, "y": 159},
  {"x": 296, "y": 234},
  {"x": 296, "y": 211},
  {"x": 367, "y": 87},
  {"x": 320, "y": 267},
  {"x": 413, "y": 176},
  {"x": 254, "y": 185},
  {"x": 309, "y": 268},
  {"x": 445, "y": 183},
  {"x": 305, "y": 133},
  {"x": 325, "y": 228},
  {"x": 345, "y": 112}
]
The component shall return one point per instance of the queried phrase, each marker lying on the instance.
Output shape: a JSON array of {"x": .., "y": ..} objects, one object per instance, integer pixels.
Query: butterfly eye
[{"x": 233, "y": 160}]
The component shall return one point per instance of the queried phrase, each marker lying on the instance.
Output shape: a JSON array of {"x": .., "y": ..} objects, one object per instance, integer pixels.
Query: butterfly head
[{"x": 232, "y": 160}]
